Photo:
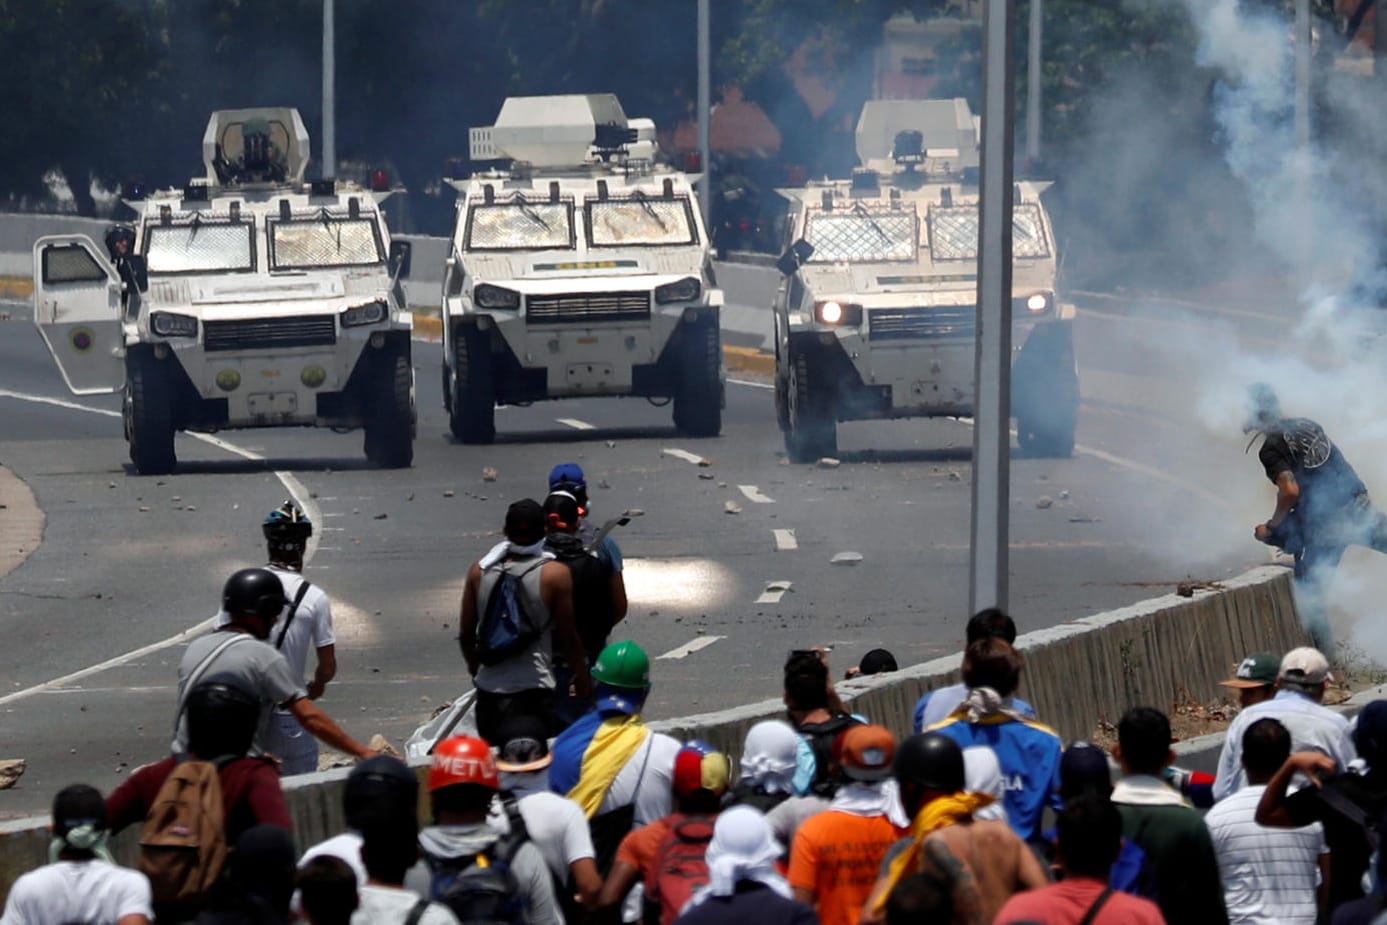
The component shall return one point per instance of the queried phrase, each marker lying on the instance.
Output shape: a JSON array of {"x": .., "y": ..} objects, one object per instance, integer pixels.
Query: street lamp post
[
  {"x": 992, "y": 373},
  {"x": 704, "y": 103},
  {"x": 329, "y": 96}
]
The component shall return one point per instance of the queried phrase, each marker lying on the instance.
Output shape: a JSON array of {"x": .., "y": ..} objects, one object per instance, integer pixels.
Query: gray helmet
[
  {"x": 1263, "y": 408},
  {"x": 254, "y": 592},
  {"x": 930, "y": 760}
]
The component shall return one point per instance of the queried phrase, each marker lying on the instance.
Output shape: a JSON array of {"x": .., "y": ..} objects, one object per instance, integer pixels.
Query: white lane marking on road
[
  {"x": 754, "y": 494},
  {"x": 689, "y": 648},
  {"x": 116, "y": 662},
  {"x": 775, "y": 590},
  {"x": 785, "y": 540},
  {"x": 45, "y": 400},
  {"x": 684, "y": 455},
  {"x": 575, "y": 423},
  {"x": 754, "y": 385}
]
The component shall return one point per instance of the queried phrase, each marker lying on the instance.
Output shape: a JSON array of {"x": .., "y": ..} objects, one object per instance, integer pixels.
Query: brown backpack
[{"x": 183, "y": 842}]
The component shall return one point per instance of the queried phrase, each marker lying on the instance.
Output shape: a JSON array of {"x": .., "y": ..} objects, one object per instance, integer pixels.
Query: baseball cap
[
  {"x": 866, "y": 752},
  {"x": 698, "y": 766},
  {"x": 1304, "y": 666},
  {"x": 524, "y": 745},
  {"x": 525, "y": 520},
  {"x": 1083, "y": 767},
  {"x": 566, "y": 474},
  {"x": 1259, "y": 669}
]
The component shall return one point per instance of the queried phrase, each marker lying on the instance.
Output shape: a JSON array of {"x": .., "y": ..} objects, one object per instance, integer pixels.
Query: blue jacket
[{"x": 1029, "y": 755}]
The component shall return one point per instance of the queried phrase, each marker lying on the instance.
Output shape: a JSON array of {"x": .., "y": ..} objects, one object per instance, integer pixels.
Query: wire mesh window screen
[
  {"x": 852, "y": 237},
  {"x": 954, "y": 232},
  {"x": 71, "y": 264},
  {"x": 639, "y": 221},
  {"x": 199, "y": 247},
  {"x": 520, "y": 226},
  {"x": 318, "y": 243}
]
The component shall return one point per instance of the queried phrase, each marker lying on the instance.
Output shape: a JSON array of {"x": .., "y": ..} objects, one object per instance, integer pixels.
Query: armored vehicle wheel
[
  {"x": 811, "y": 433},
  {"x": 389, "y": 439},
  {"x": 698, "y": 404},
  {"x": 472, "y": 412},
  {"x": 148, "y": 413}
]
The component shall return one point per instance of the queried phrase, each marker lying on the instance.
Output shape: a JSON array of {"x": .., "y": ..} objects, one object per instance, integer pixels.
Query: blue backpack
[
  {"x": 482, "y": 889},
  {"x": 505, "y": 628}
]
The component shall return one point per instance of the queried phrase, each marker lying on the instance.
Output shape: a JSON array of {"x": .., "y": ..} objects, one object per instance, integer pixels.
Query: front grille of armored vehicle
[
  {"x": 935, "y": 321},
  {"x": 588, "y": 307},
  {"x": 270, "y": 333}
]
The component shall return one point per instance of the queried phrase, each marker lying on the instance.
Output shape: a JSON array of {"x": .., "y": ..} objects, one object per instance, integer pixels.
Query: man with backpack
[
  {"x": 817, "y": 715},
  {"x": 468, "y": 866},
  {"x": 667, "y": 856},
  {"x": 517, "y": 606},
  {"x": 599, "y": 595},
  {"x": 306, "y": 624},
  {"x": 194, "y": 805},
  {"x": 254, "y": 598}
]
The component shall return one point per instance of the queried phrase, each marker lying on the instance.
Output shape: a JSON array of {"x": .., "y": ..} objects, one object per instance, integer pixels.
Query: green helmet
[{"x": 623, "y": 664}]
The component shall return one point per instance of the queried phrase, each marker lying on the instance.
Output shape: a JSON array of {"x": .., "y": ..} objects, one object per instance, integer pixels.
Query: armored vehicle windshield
[
  {"x": 862, "y": 235},
  {"x": 324, "y": 239},
  {"x": 199, "y": 244},
  {"x": 640, "y": 220},
  {"x": 520, "y": 225}
]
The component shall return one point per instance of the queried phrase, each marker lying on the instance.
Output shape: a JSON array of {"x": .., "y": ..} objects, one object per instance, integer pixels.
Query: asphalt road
[{"x": 92, "y": 621}]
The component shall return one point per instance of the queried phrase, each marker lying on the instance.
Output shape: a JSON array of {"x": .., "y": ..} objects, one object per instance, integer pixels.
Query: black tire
[
  {"x": 698, "y": 403},
  {"x": 472, "y": 414},
  {"x": 148, "y": 412},
  {"x": 812, "y": 432},
  {"x": 389, "y": 439}
]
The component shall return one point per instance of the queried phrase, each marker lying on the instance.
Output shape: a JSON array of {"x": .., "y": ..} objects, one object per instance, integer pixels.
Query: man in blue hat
[{"x": 569, "y": 477}]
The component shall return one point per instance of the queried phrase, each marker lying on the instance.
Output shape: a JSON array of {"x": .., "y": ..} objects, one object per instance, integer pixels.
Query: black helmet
[
  {"x": 118, "y": 233},
  {"x": 930, "y": 760},
  {"x": 223, "y": 714},
  {"x": 253, "y": 591},
  {"x": 287, "y": 528},
  {"x": 380, "y": 787}
]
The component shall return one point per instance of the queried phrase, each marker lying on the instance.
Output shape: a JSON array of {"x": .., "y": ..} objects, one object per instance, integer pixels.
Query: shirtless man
[{"x": 982, "y": 863}]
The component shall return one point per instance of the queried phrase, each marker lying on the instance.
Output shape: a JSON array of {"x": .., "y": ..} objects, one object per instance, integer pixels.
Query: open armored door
[{"x": 77, "y": 309}]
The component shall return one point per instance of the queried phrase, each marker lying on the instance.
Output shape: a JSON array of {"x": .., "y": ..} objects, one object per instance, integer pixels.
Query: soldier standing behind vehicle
[
  {"x": 306, "y": 623},
  {"x": 1322, "y": 506}
]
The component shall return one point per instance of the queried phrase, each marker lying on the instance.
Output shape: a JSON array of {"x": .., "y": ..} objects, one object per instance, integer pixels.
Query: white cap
[{"x": 1305, "y": 666}]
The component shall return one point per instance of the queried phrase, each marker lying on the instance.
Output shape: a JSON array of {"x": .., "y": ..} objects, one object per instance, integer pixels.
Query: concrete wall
[{"x": 1077, "y": 674}]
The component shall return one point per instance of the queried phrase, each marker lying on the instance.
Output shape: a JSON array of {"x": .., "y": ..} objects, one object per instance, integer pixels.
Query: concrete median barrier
[{"x": 1077, "y": 674}]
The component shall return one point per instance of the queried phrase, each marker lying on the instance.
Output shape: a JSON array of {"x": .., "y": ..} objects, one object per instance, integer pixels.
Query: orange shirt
[
  {"x": 836, "y": 857},
  {"x": 640, "y": 846}
]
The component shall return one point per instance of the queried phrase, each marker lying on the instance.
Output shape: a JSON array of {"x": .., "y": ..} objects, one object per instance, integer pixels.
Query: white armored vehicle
[
  {"x": 580, "y": 269},
  {"x": 249, "y": 298},
  {"x": 876, "y": 316}
]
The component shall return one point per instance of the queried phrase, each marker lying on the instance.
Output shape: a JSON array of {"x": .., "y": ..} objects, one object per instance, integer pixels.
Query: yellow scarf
[
  {"x": 939, "y": 813},
  {"x": 612, "y": 746}
]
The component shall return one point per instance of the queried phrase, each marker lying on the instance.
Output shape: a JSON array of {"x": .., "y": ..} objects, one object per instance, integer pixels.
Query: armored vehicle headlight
[
  {"x": 836, "y": 313},
  {"x": 684, "y": 290},
  {"x": 370, "y": 313},
  {"x": 488, "y": 296},
  {"x": 168, "y": 324},
  {"x": 1038, "y": 302}
]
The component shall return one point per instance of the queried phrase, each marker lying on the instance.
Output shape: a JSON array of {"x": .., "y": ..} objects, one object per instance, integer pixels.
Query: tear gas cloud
[{"x": 1287, "y": 295}]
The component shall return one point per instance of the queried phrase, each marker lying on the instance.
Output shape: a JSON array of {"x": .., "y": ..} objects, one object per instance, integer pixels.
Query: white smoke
[{"x": 1327, "y": 363}]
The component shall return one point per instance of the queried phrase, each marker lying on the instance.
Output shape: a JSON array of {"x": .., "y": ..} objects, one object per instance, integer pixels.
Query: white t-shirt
[
  {"x": 347, "y": 847},
  {"x": 655, "y": 797},
  {"x": 1269, "y": 875},
  {"x": 311, "y": 628},
  {"x": 92, "y": 892},
  {"x": 556, "y": 826},
  {"x": 383, "y": 905}
]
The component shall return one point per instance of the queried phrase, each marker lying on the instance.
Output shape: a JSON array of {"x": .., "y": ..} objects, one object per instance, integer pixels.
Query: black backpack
[
  {"x": 481, "y": 888},
  {"x": 505, "y": 628},
  {"x": 592, "y": 590},
  {"x": 821, "y": 737}
]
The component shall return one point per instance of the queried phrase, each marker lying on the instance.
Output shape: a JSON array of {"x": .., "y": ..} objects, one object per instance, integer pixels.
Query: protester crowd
[{"x": 564, "y": 806}]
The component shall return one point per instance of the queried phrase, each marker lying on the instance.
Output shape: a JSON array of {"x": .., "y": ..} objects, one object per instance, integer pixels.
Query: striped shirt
[{"x": 1268, "y": 874}]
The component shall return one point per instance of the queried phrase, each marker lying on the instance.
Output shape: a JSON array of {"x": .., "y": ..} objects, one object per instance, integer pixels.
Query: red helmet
[{"x": 463, "y": 760}]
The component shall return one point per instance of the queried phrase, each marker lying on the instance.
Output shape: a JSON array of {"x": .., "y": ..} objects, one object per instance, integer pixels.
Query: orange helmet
[{"x": 463, "y": 760}]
